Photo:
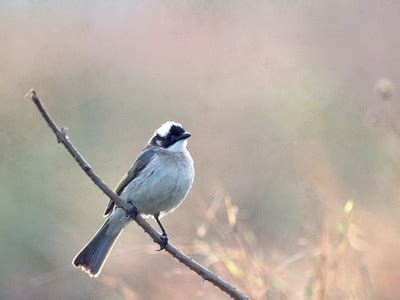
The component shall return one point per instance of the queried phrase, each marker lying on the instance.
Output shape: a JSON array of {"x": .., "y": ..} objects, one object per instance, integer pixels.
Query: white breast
[{"x": 163, "y": 184}]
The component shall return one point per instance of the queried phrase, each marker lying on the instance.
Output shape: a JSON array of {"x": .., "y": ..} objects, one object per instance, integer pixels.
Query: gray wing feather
[{"x": 139, "y": 165}]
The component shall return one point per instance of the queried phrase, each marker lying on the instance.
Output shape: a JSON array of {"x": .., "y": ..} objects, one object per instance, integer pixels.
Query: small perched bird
[{"x": 155, "y": 185}]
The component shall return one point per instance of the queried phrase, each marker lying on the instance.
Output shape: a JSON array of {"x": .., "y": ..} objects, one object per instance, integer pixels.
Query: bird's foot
[
  {"x": 164, "y": 242},
  {"x": 132, "y": 212}
]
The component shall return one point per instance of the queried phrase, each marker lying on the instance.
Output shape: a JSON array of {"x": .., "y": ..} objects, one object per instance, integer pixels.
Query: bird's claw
[
  {"x": 132, "y": 212},
  {"x": 164, "y": 242}
]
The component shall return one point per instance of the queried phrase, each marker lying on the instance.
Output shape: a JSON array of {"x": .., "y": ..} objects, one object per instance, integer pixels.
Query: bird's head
[{"x": 171, "y": 136}]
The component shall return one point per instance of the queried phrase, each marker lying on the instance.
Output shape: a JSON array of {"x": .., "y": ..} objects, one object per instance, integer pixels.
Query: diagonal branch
[{"x": 61, "y": 134}]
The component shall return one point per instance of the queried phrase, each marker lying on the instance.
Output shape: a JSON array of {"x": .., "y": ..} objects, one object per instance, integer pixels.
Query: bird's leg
[
  {"x": 164, "y": 235},
  {"x": 132, "y": 212}
]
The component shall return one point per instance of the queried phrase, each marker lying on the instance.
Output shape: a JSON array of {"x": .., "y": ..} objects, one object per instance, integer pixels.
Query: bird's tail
[{"x": 92, "y": 257}]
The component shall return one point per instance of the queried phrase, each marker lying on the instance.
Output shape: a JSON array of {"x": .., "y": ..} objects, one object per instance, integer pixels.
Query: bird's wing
[{"x": 140, "y": 164}]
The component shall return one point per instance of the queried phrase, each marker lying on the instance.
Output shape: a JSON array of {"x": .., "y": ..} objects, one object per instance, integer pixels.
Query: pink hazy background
[{"x": 294, "y": 110}]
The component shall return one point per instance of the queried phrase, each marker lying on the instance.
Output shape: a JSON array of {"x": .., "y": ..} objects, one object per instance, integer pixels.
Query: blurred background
[{"x": 294, "y": 110}]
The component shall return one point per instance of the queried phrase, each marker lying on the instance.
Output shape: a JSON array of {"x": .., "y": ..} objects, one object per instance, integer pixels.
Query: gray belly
[{"x": 162, "y": 185}]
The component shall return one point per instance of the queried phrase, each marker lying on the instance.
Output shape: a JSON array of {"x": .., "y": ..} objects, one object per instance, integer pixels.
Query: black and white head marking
[{"x": 169, "y": 134}]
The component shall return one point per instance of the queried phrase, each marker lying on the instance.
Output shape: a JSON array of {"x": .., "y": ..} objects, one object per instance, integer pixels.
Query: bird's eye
[{"x": 176, "y": 130}]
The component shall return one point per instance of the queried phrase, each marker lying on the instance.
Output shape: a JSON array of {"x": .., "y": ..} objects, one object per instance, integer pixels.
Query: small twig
[{"x": 61, "y": 135}]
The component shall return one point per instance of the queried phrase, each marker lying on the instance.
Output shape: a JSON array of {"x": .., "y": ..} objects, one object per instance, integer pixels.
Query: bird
[{"x": 155, "y": 185}]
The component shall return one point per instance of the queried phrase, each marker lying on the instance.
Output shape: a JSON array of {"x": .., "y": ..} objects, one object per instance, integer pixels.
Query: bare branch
[{"x": 61, "y": 135}]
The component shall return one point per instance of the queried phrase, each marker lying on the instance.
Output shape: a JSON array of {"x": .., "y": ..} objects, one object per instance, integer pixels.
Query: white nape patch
[
  {"x": 179, "y": 146},
  {"x": 164, "y": 129}
]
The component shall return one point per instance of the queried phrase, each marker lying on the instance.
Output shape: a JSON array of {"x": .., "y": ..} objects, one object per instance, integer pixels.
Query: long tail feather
[{"x": 92, "y": 257}]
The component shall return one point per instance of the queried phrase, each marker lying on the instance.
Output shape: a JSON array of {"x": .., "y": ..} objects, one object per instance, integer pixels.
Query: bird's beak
[{"x": 184, "y": 136}]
